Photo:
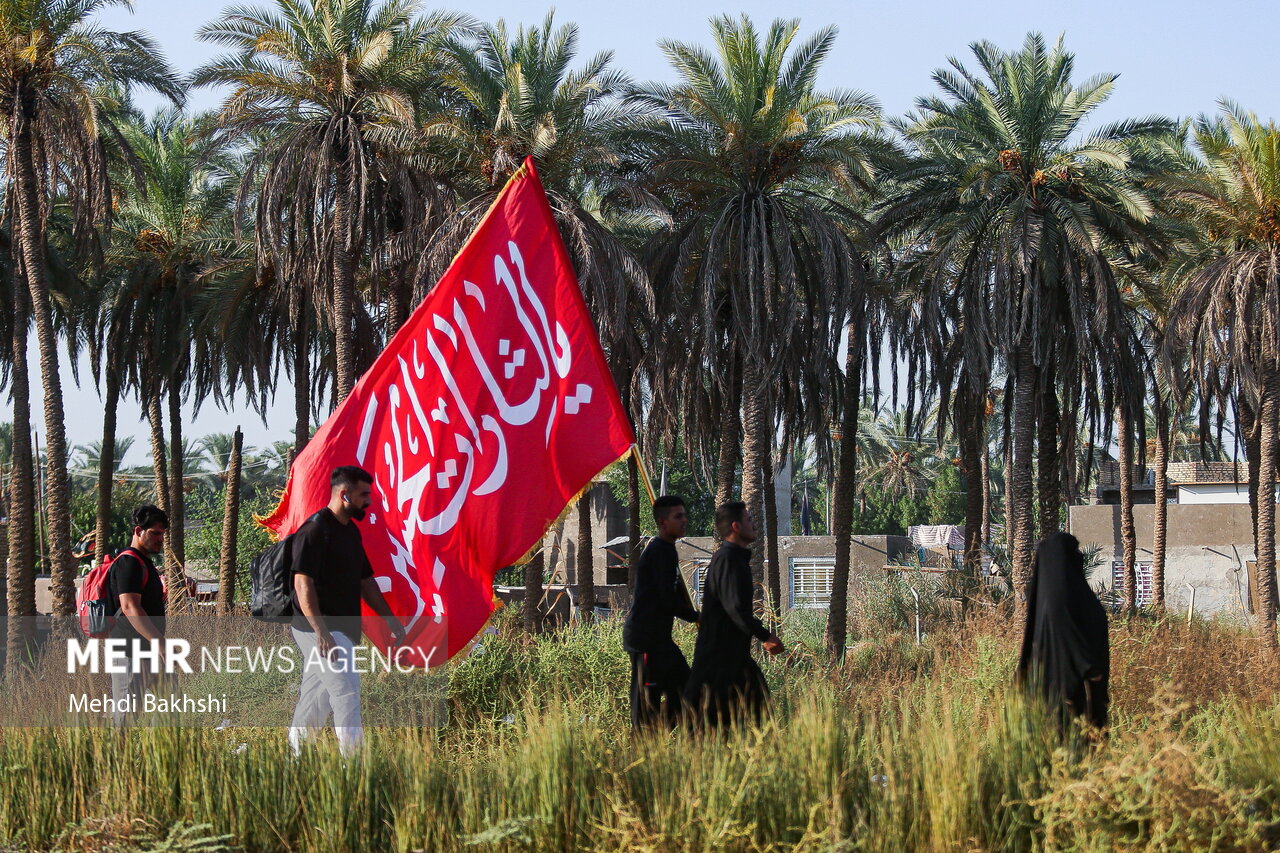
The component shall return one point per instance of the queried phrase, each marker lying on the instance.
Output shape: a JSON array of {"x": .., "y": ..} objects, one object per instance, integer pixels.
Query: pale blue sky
[{"x": 1174, "y": 58}]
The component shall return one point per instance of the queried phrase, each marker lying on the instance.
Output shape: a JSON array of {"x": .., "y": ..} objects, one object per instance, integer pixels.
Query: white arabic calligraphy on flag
[{"x": 488, "y": 411}]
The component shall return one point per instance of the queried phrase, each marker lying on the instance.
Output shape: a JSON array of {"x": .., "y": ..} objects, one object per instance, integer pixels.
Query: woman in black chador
[{"x": 1066, "y": 657}]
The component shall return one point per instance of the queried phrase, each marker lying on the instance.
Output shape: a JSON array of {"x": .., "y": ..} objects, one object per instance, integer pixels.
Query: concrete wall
[
  {"x": 1207, "y": 546},
  {"x": 608, "y": 521},
  {"x": 1213, "y": 493},
  {"x": 867, "y": 554}
]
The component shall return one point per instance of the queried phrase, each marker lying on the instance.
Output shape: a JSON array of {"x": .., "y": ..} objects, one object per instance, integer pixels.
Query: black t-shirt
[
  {"x": 330, "y": 553},
  {"x": 129, "y": 573}
]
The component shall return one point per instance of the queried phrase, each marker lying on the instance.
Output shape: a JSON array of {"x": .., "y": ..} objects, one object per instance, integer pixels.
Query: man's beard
[{"x": 358, "y": 514}]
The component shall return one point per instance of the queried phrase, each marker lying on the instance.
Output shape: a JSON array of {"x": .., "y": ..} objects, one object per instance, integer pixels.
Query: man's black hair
[
  {"x": 148, "y": 516},
  {"x": 663, "y": 506},
  {"x": 349, "y": 476},
  {"x": 726, "y": 515}
]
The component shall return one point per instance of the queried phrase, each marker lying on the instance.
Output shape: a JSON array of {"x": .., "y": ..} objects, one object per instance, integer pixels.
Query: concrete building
[
  {"x": 608, "y": 522},
  {"x": 1209, "y": 547},
  {"x": 809, "y": 561}
]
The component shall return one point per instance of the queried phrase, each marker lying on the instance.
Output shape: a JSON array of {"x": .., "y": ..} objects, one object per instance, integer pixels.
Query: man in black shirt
[
  {"x": 658, "y": 667},
  {"x": 331, "y": 577},
  {"x": 725, "y": 684},
  {"x": 138, "y": 593}
]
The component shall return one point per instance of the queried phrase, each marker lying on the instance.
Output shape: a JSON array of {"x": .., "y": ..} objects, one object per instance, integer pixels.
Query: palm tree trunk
[
  {"x": 586, "y": 563},
  {"x": 163, "y": 487},
  {"x": 845, "y": 491},
  {"x": 533, "y": 570},
  {"x": 1128, "y": 536},
  {"x": 773, "y": 569},
  {"x": 398, "y": 300},
  {"x": 106, "y": 465},
  {"x": 633, "y": 520},
  {"x": 230, "y": 527},
  {"x": 633, "y": 488},
  {"x": 21, "y": 568},
  {"x": 969, "y": 423},
  {"x": 986, "y": 488},
  {"x": 1020, "y": 517},
  {"x": 755, "y": 423},
  {"x": 31, "y": 247},
  {"x": 1068, "y": 448},
  {"x": 42, "y": 505},
  {"x": 159, "y": 451},
  {"x": 301, "y": 377},
  {"x": 1008, "y": 490},
  {"x": 1049, "y": 459},
  {"x": 344, "y": 277},
  {"x": 159, "y": 466},
  {"x": 4, "y": 553},
  {"x": 1250, "y": 428},
  {"x": 730, "y": 437},
  {"x": 1161, "y": 522},
  {"x": 1275, "y": 582},
  {"x": 1265, "y": 546},
  {"x": 6, "y": 469},
  {"x": 177, "y": 480}
]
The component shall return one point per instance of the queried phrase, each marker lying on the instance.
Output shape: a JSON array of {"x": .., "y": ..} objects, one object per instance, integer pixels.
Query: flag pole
[{"x": 644, "y": 474}]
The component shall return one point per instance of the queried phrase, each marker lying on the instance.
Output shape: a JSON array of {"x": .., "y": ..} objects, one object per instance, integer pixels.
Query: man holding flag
[
  {"x": 331, "y": 576},
  {"x": 486, "y": 413}
]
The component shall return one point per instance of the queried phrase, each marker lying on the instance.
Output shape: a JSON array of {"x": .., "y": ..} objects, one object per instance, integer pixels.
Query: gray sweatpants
[
  {"x": 132, "y": 686},
  {"x": 328, "y": 686}
]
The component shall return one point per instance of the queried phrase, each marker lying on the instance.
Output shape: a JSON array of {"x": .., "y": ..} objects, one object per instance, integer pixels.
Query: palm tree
[
  {"x": 895, "y": 453},
  {"x": 21, "y": 496},
  {"x": 1226, "y": 313},
  {"x": 326, "y": 88},
  {"x": 216, "y": 450},
  {"x": 58, "y": 71},
  {"x": 1128, "y": 535},
  {"x": 512, "y": 95},
  {"x": 1164, "y": 405},
  {"x": 106, "y": 461},
  {"x": 1014, "y": 207},
  {"x": 230, "y": 517},
  {"x": 763, "y": 174},
  {"x": 1153, "y": 294},
  {"x": 170, "y": 231}
]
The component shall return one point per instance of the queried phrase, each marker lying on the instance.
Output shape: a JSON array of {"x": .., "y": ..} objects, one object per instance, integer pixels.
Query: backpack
[
  {"x": 94, "y": 601},
  {"x": 271, "y": 580}
]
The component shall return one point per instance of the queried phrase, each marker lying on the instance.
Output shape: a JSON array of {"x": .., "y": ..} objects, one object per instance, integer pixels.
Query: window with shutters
[
  {"x": 694, "y": 571},
  {"x": 1143, "y": 572},
  {"x": 811, "y": 582}
]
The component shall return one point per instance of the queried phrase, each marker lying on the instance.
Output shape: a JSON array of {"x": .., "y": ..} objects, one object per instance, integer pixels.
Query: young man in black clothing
[
  {"x": 332, "y": 575},
  {"x": 725, "y": 684},
  {"x": 658, "y": 667},
  {"x": 136, "y": 587}
]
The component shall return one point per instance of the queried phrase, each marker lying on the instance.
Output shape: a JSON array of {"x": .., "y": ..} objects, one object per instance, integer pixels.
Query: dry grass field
[{"x": 900, "y": 747}]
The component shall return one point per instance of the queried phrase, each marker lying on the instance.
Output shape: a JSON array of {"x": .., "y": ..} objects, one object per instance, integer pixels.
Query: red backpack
[{"x": 93, "y": 598}]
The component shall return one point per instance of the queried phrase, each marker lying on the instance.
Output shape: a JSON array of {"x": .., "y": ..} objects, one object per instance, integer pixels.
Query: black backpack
[{"x": 271, "y": 580}]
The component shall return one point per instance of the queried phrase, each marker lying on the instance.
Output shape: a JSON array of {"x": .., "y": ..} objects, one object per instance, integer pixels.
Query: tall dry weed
[{"x": 899, "y": 747}]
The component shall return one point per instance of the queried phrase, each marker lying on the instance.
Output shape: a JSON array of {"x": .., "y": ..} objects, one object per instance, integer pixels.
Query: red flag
[{"x": 486, "y": 413}]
